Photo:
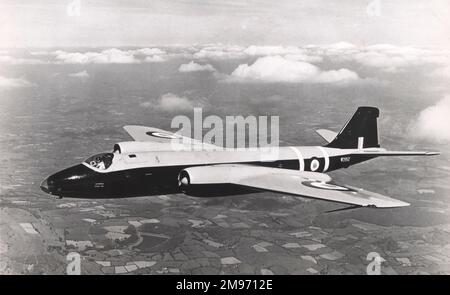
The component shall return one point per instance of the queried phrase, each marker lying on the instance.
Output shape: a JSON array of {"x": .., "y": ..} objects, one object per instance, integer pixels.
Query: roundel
[
  {"x": 325, "y": 185},
  {"x": 314, "y": 165},
  {"x": 163, "y": 135}
]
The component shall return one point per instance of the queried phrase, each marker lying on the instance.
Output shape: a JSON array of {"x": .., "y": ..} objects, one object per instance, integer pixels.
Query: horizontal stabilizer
[
  {"x": 383, "y": 152},
  {"x": 328, "y": 135}
]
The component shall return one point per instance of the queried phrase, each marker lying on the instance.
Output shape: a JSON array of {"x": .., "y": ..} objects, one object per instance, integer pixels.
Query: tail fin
[{"x": 361, "y": 131}]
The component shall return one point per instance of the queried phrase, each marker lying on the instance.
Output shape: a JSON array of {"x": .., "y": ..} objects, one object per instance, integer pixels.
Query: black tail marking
[{"x": 361, "y": 130}]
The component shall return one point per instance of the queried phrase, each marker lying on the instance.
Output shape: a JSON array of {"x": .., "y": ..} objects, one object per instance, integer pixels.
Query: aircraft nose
[{"x": 44, "y": 186}]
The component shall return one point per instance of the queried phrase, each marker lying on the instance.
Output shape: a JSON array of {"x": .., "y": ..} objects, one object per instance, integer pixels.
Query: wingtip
[
  {"x": 396, "y": 204},
  {"x": 403, "y": 204}
]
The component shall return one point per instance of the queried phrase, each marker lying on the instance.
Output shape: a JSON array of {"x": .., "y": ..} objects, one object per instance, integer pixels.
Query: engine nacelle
[
  {"x": 201, "y": 181},
  {"x": 202, "y": 175}
]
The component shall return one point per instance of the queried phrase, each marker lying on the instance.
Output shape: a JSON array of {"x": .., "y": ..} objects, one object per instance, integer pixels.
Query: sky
[
  {"x": 397, "y": 49},
  {"x": 108, "y": 23}
]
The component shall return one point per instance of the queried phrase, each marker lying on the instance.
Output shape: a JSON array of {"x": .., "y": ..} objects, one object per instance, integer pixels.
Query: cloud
[
  {"x": 342, "y": 46},
  {"x": 386, "y": 57},
  {"x": 9, "y": 83},
  {"x": 40, "y": 52},
  {"x": 170, "y": 102},
  {"x": 382, "y": 57},
  {"x": 290, "y": 52},
  {"x": 150, "y": 51},
  {"x": 195, "y": 67},
  {"x": 154, "y": 58},
  {"x": 112, "y": 55},
  {"x": 273, "y": 50},
  {"x": 304, "y": 57},
  {"x": 83, "y": 74},
  {"x": 432, "y": 123},
  {"x": 220, "y": 52},
  {"x": 280, "y": 69}
]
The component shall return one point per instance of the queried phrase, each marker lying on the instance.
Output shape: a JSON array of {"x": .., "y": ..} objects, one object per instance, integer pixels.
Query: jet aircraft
[{"x": 150, "y": 166}]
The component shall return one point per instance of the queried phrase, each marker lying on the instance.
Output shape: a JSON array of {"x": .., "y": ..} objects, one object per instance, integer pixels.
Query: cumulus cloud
[
  {"x": 112, "y": 55},
  {"x": 311, "y": 58},
  {"x": 154, "y": 58},
  {"x": 150, "y": 51},
  {"x": 9, "y": 83},
  {"x": 386, "y": 57},
  {"x": 432, "y": 123},
  {"x": 195, "y": 67},
  {"x": 83, "y": 74},
  {"x": 170, "y": 102},
  {"x": 280, "y": 69}
]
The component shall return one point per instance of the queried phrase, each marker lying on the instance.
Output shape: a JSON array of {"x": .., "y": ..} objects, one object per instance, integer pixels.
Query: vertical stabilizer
[{"x": 361, "y": 131}]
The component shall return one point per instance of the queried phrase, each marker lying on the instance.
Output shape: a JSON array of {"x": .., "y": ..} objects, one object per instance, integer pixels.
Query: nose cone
[
  {"x": 45, "y": 187},
  {"x": 67, "y": 182}
]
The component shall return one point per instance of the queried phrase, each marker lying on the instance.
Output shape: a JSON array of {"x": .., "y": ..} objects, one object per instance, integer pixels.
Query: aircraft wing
[
  {"x": 300, "y": 183},
  {"x": 151, "y": 134}
]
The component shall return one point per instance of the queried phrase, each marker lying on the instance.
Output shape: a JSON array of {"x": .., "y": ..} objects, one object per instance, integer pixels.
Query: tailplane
[{"x": 361, "y": 131}]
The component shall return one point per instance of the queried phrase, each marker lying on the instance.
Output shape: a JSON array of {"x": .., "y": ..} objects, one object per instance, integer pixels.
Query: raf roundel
[
  {"x": 325, "y": 185},
  {"x": 314, "y": 165},
  {"x": 163, "y": 135}
]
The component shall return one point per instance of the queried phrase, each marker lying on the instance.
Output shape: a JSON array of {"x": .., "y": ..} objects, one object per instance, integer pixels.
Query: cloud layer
[
  {"x": 384, "y": 57},
  {"x": 433, "y": 122}
]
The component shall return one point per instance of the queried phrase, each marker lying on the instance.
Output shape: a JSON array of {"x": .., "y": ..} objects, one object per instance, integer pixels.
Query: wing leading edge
[{"x": 300, "y": 183}]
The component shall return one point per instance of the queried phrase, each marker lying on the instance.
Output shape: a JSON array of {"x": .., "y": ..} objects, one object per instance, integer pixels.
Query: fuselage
[{"x": 112, "y": 175}]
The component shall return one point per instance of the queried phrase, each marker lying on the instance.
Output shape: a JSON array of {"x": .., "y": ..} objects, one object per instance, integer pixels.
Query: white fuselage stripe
[
  {"x": 301, "y": 161},
  {"x": 327, "y": 158}
]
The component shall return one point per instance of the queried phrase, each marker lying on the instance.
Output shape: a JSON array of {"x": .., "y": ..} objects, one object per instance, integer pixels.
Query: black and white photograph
[{"x": 224, "y": 137}]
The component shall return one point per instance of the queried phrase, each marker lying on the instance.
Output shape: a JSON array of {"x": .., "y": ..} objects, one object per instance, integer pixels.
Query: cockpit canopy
[{"x": 100, "y": 161}]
